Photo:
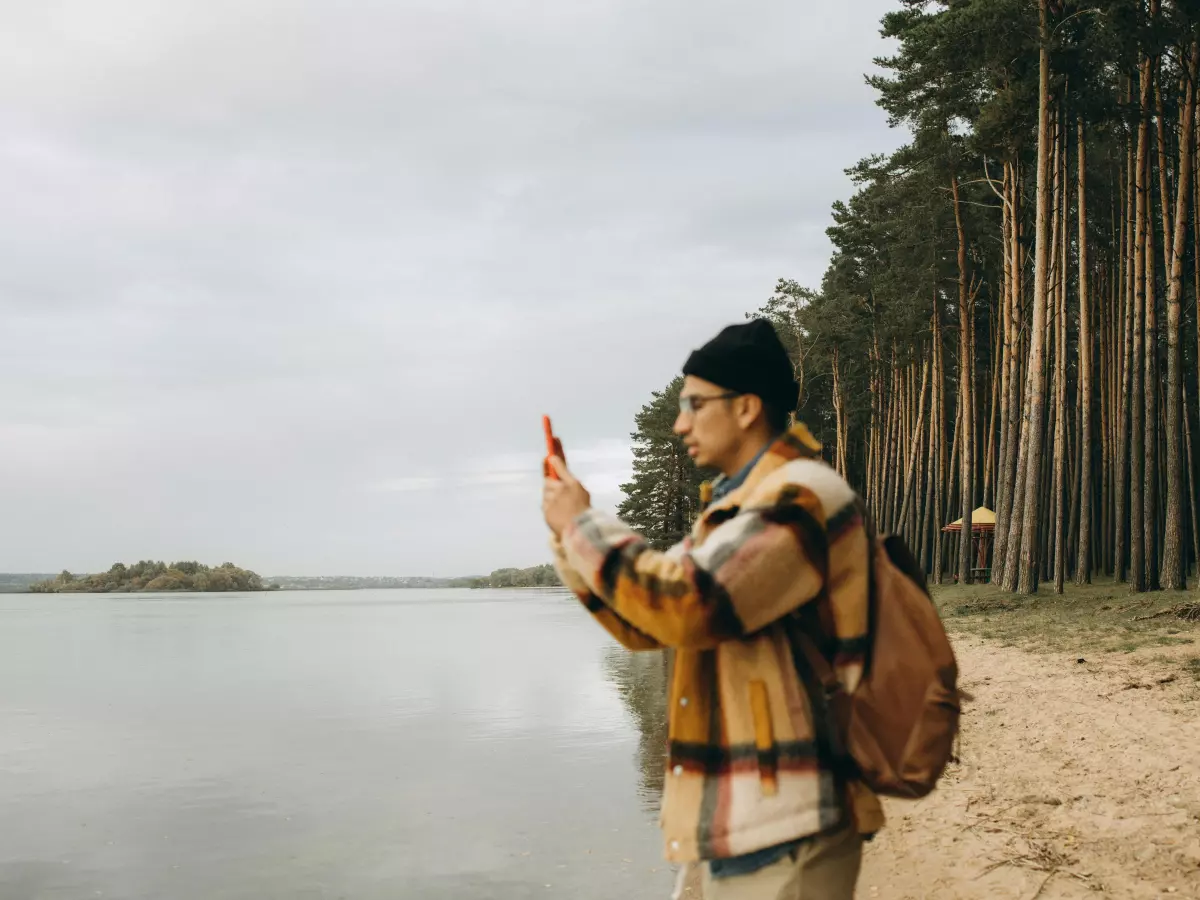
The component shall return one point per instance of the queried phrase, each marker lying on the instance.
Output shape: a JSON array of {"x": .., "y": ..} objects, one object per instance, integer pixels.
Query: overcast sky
[{"x": 290, "y": 282}]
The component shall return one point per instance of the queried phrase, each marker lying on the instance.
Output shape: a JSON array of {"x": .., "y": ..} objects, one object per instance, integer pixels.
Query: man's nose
[{"x": 682, "y": 424}]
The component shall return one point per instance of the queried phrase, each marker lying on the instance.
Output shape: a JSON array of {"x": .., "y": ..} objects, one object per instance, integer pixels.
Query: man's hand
[{"x": 563, "y": 500}]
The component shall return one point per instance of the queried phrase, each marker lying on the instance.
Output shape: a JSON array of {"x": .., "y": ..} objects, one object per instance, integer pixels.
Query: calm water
[{"x": 371, "y": 744}]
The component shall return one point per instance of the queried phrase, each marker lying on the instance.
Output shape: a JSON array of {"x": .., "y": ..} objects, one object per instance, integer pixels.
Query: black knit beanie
[{"x": 748, "y": 358}]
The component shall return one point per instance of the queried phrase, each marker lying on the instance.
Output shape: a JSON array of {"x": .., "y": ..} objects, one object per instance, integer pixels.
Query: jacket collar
[{"x": 795, "y": 443}]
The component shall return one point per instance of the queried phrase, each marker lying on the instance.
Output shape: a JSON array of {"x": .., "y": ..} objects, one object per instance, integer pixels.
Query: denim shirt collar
[{"x": 723, "y": 485}]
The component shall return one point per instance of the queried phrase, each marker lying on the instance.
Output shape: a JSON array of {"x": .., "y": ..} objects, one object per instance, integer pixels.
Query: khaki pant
[{"x": 824, "y": 867}]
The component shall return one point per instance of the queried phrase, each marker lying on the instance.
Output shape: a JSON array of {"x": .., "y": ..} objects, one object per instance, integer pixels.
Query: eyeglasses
[{"x": 695, "y": 403}]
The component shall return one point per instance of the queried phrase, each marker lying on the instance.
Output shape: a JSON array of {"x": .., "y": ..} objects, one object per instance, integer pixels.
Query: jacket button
[
  {"x": 674, "y": 845},
  {"x": 683, "y": 701},
  {"x": 678, "y": 770}
]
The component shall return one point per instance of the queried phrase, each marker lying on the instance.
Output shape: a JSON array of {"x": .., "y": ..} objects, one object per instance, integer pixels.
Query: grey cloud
[{"x": 264, "y": 257}]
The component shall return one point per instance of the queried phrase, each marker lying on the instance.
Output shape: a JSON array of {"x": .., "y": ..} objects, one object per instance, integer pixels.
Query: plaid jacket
[{"x": 752, "y": 760}]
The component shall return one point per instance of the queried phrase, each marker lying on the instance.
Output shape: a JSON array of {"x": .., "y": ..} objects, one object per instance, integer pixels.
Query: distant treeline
[
  {"x": 155, "y": 576},
  {"x": 19, "y": 582},
  {"x": 537, "y": 576},
  {"x": 363, "y": 582}
]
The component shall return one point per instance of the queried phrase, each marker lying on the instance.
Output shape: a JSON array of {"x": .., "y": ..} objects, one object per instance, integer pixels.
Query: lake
[{"x": 362, "y": 744}]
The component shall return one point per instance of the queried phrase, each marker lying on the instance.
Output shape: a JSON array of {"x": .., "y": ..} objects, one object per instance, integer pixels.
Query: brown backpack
[{"x": 899, "y": 725}]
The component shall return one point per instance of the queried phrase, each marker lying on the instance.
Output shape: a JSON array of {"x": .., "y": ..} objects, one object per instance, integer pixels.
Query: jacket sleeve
[
  {"x": 627, "y": 636},
  {"x": 753, "y": 569}
]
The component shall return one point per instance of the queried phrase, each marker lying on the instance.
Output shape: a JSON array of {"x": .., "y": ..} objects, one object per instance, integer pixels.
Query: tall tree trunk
[
  {"x": 1073, "y": 488},
  {"x": 1045, "y": 554},
  {"x": 1060, "y": 381},
  {"x": 1191, "y": 472},
  {"x": 1151, "y": 388},
  {"x": 1000, "y": 345},
  {"x": 1083, "y": 564},
  {"x": 1058, "y": 481},
  {"x": 885, "y": 481},
  {"x": 973, "y": 380},
  {"x": 939, "y": 384},
  {"x": 920, "y": 506},
  {"x": 1115, "y": 356},
  {"x": 1000, "y": 348},
  {"x": 1124, "y": 326},
  {"x": 1164, "y": 190},
  {"x": 1006, "y": 510},
  {"x": 989, "y": 466},
  {"x": 895, "y": 456},
  {"x": 1192, "y": 462},
  {"x": 925, "y": 553},
  {"x": 905, "y": 455},
  {"x": 915, "y": 450},
  {"x": 1107, "y": 302},
  {"x": 1121, "y": 479},
  {"x": 1012, "y": 559},
  {"x": 1107, "y": 426},
  {"x": 1174, "y": 570},
  {"x": 1027, "y": 577},
  {"x": 880, "y": 435},
  {"x": 1137, "y": 417},
  {"x": 953, "y": 480},
  {"x": 838, "y": 414},
  {"x": 965, "y": 369}
]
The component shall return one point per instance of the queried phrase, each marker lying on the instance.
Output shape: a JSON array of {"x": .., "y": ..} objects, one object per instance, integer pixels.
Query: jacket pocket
[{"x": 764, "y": 738}]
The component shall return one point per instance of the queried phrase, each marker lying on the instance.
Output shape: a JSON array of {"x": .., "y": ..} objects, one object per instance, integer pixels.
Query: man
[{"x": 758, "y": 793}]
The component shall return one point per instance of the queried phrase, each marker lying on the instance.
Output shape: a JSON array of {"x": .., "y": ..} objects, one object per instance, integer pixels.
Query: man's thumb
[{"x": 559, "y": 466}]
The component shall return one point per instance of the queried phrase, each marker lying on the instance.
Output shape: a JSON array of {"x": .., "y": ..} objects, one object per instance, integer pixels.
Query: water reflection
[
  {"x": 400, "y": 744},
  {"x": 641, "y": 681}
]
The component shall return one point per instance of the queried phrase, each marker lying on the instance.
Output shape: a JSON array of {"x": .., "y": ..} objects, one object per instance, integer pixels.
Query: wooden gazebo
[{"x": 983, "y": 530}]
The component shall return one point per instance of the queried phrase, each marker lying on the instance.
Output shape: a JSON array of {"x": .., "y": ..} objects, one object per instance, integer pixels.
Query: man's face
[{"x": 711, "y": 422}]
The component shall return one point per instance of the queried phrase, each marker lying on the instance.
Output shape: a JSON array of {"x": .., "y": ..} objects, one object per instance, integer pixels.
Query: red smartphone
[{"x": 553, "y": 448}]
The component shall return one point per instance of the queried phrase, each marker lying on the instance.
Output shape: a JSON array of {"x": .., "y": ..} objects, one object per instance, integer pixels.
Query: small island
[
  {"x": 537, "y": 576},
  {"x": 155, "y": 576}
]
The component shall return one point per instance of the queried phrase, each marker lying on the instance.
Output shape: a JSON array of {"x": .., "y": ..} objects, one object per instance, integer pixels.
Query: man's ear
[{"x": 749, "y": 410}]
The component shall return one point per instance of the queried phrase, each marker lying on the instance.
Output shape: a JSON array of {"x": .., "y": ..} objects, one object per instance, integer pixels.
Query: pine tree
[{"x": 662, "y": 499}]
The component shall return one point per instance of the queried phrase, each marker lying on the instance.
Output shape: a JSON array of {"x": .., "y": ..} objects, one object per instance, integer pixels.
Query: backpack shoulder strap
[
  {"x": 816, "y": 659},
  {"x": 834, "y": 705}
]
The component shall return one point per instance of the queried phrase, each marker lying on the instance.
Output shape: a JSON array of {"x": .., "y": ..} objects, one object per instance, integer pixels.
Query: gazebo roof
[{"x": 982, "y": 519}]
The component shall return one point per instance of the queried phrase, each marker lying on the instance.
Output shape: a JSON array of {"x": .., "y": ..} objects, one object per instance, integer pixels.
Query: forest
[{"x": 1009, "y": 316}]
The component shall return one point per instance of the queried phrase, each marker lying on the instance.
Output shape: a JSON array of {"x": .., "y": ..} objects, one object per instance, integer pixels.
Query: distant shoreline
[
  {"x": 532, "y": 577},
  {"x": 15, "y": 591},
  {"x": 151, "y": 577}
]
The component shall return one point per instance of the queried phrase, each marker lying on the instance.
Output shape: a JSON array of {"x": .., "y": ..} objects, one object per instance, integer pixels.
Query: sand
[{"x": 1076, "y": 779}]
